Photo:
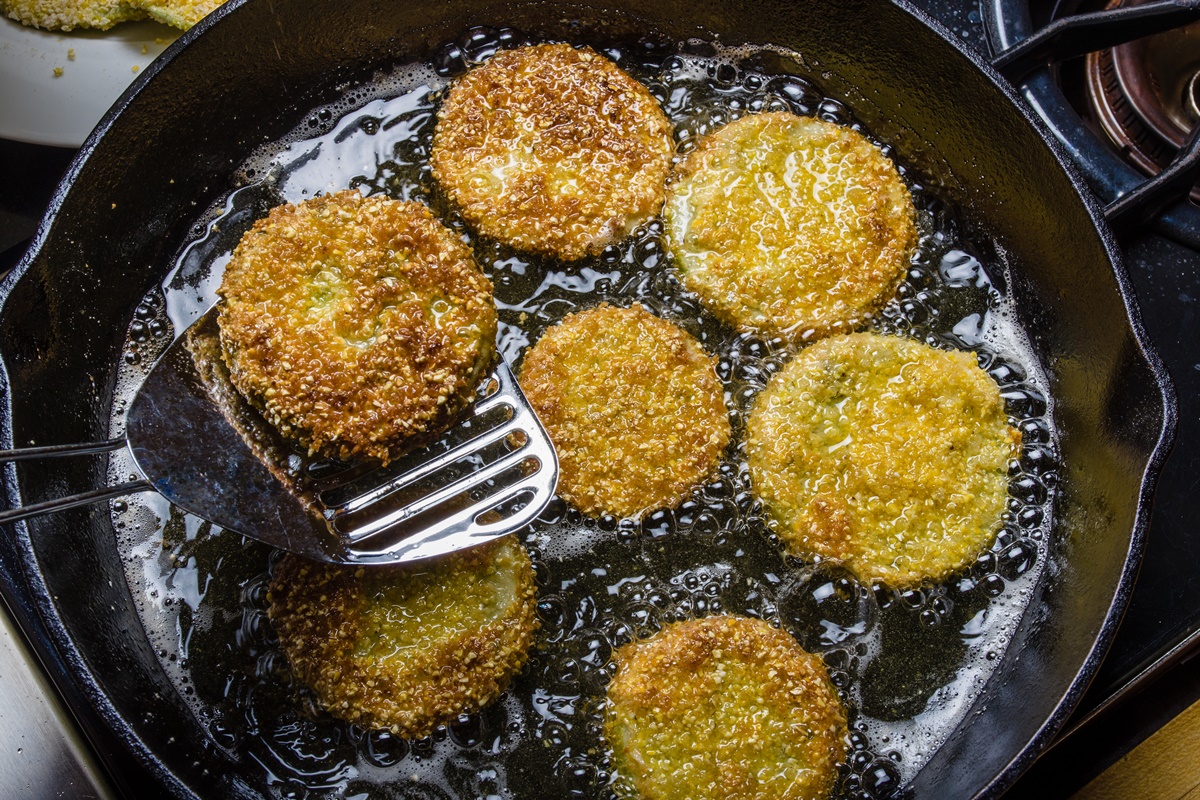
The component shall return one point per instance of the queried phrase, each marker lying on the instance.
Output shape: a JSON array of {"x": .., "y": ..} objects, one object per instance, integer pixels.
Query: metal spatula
[{"x": 200, "y": 445}]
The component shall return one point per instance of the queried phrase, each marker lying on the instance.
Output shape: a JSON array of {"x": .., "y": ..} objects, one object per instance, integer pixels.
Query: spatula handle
[
  {"x": 74, "y": 500},
  {"x": 56, "y": 450}
]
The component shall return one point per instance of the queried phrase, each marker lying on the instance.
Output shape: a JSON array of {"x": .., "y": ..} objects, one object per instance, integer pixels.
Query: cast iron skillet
[{"x": 248, "y": 73}]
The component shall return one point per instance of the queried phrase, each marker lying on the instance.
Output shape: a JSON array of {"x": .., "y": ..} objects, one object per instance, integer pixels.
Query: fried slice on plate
[
  {"x": 181, "y": 14},
  {"x": 67, "y": 15}
]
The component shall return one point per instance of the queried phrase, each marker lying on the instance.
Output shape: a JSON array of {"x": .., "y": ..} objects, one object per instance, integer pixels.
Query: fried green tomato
[
  {"x": 407, "y": 648},
  {"x": 67, "y": 15},
  {"x": 359, "y": 325},
  {"x": 883, "y": 454},
  {"x": 633, "y": 405},
  {"x": 789, "y": 226},
  {"x": 726, "y": 708},
  {"x": 552, "y": 150}
]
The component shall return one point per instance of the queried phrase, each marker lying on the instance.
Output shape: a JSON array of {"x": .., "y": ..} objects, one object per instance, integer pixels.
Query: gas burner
[
  {"x": 1144, "y": 95},
  {"x": 1138, "y": 87}
]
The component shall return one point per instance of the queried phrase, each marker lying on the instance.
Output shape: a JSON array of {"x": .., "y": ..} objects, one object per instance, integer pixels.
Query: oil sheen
[{"x": 909, "y": 665}]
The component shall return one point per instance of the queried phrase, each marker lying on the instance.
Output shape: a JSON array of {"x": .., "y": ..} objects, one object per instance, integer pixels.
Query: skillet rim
[
  {"x": 44, "y": 627},
  {"x": 1167, "y": 430}
]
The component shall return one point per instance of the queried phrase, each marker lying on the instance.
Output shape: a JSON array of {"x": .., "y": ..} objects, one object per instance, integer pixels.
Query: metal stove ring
[{"x": 1007, "y": 22}]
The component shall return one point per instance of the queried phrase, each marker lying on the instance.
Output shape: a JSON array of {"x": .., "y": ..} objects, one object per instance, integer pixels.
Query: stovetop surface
[{"x": 1166, "y": 603}]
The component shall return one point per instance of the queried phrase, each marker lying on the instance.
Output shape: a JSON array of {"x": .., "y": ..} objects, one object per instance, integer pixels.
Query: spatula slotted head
[{"x": 208, "y": 452}]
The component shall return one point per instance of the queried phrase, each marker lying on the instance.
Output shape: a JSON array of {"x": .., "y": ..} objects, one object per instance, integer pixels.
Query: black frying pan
[{"x": 247, "y": 74}]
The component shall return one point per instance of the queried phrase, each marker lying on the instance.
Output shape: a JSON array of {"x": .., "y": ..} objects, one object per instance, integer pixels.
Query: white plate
[{"x": 36, "y": 106}]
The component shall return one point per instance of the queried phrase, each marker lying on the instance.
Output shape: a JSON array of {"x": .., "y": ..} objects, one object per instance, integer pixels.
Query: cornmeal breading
[
  {"x": 359, "y": 325},
  {"x": 407, "y": 648},
  {"x": 884, "y": 454},
  {"x": 788, "y": 225},
  {"x": 633, "y": 405},
  {"x": 552, "y": 150},
  {"x": 724, "y": 708},
  {"x": 181, "y": 14}
]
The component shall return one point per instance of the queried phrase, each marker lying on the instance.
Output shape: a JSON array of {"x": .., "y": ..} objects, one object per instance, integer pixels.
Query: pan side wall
[{"x": 248, "y": 80}]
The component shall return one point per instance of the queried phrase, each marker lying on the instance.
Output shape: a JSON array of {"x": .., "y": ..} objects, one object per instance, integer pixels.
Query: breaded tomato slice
[
  {"x": 181, "y": 14},
  {"x": 552, "y": 150},
  {"x": 359, "y": 325},
  {"x": 723, "y": 708},
  {"x": 407, "y": 648},
  {"x": 883, "y": 454},
  {"x": 789, "y": 226},
  {"x": 633, "y": 405}
]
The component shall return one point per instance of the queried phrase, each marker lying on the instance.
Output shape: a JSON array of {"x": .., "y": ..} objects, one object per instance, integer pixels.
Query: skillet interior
[{"x": 246, "y": 76}]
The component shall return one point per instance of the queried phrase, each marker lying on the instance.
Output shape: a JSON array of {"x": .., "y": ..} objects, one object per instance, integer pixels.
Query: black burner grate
[{"x": 1008, "y": 23}]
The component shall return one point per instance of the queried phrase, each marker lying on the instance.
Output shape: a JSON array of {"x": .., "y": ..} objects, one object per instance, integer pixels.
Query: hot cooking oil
[{"x": 909, "y": 665}]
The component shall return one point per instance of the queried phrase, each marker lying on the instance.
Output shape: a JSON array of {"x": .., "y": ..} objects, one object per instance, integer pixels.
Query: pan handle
[{"x": 74, "y": 500}]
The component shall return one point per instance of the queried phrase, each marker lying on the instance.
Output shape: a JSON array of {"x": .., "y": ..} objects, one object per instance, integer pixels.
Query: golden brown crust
[
  {"x": 788, "y": 225},
  {"x": 633, "y": 405},
  {"x": 726, "y": 708},
  {"x": 553, "y": 150},
  {"x": 884, "y": 454},
  {"x": 407, "y": 648},
  {"x": 360, "y": 326}
]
